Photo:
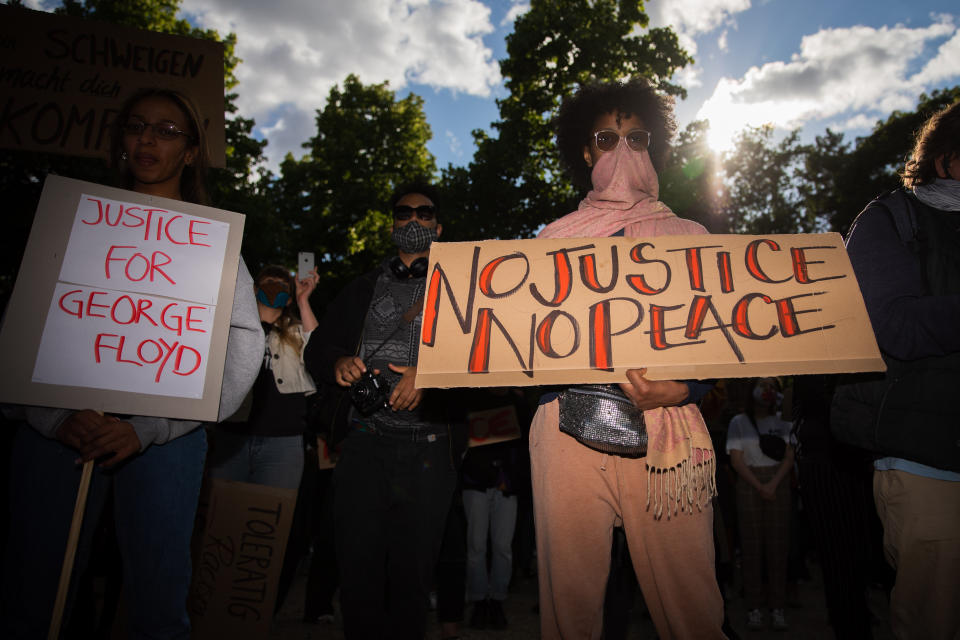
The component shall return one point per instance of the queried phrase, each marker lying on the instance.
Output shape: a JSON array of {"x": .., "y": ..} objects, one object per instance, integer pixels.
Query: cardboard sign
[
  {"x": 326, "y": 459},
  {"x": 63, "y": 80},
  {"x": 122, "y": 304},
  {"x": 579, "y": 310},
  {"x": 492, "y": 426},
  {"x": 237, "y": 567}
]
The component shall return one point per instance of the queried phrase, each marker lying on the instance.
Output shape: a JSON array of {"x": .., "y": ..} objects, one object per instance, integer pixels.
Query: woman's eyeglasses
[
  {"x": 608, "y": 139},
  {"x": 425, "y": 212},
  {"x": 162, "y": 130}
]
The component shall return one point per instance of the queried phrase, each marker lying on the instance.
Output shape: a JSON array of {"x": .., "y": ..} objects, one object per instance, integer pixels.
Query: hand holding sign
[
  {"x": 405, "y": 395},
  {"x": 95, "y": 435},
  {"x": 652, "y": 394}
]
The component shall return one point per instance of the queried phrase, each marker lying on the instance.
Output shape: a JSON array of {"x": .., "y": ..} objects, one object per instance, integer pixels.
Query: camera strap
[{"x": 408, "y": 316}]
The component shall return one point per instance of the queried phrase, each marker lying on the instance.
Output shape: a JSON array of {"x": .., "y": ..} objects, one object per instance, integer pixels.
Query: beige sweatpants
[
  {"x": 921, "y": 539},
  {"x": 579, "y": 495}
]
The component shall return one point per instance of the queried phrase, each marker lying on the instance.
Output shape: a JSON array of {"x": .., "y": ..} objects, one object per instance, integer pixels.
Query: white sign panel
[
  {"x": 122, "y": 304},
  {"x": 130, "y": 247},
  {"x": 95, "y": 337}
]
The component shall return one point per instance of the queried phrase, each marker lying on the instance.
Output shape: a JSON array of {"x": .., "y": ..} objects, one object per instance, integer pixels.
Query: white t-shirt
[{"x": 742, "y": 436}]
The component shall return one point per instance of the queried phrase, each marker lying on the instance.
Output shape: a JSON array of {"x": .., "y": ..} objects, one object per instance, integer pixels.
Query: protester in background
[
  {"x": 491, "y": 474},
  {"x": 267, "y": 447},
  {"x": 763, "y": 502},
  {"x": 398, "y": 465},
  {"x": 153, "y": 466},
  {"x": 611, "y": 137},
  {"x": 905, "y": 251}
]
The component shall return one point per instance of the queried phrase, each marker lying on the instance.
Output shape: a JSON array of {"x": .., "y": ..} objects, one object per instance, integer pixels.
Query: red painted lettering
[
  {"x": 193, "y": 233},
  {"x": 639, "y": 282},
  {"x": 753, "y": 261}
]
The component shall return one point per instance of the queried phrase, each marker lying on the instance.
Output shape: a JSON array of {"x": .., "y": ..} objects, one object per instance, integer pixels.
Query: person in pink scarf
[{"x": 611, "y": 137}]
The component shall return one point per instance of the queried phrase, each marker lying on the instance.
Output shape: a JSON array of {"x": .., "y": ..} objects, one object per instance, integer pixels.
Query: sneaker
[
  {"x": 481, "y": 616},
  {"x": 778, "y": 620},
  {"x": 495, "y": 615},
  {"x": 755, "y": 619}
]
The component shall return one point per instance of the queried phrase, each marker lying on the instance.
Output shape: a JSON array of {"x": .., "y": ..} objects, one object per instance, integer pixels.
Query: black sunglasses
[{"x": 425, "y": 212}]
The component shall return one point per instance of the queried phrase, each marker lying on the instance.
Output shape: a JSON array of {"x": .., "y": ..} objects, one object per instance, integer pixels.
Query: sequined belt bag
[{"x": 603, "y": 418}]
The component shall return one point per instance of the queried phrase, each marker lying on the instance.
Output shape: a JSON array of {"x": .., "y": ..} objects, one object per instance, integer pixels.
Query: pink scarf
[
  {"x": 680, "y": 460},
  {"x": 624, "y": 196}
]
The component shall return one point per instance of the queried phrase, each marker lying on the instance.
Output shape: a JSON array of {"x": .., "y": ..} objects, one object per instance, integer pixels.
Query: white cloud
[
  {"x": 722, "y": 41},
  {"x": 691, "y": 18},
  {"x": 837, "y": 72},
  {"x": 453, "y": 142},
  {"x": 943, "y": 66},
  {"x": 517, "y": 9},
  {"x": 294, "y": 51}
]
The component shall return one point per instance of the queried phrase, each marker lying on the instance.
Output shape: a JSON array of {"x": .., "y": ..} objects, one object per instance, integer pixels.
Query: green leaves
[
  {"x": 514, "y": 184},
  {"x": 367, "y": 142}
]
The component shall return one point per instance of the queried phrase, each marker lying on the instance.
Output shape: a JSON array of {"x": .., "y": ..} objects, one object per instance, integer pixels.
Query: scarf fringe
[{"x": 682, "y": 487}]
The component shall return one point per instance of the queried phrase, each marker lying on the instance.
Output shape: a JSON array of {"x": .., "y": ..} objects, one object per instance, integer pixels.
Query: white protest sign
[
  {"x": 139, "y": 343},
  {"x": 145, "y": 249},
  {"x": 122, "y": 304}
]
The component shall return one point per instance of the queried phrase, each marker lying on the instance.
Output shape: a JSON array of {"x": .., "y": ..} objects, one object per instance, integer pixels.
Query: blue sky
[{"x": 816, "y": 63}]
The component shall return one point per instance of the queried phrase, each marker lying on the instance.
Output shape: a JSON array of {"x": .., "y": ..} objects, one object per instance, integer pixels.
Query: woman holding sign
[
  {"x": 652, "y": 469},
  {"x": 152, "y": 466}
]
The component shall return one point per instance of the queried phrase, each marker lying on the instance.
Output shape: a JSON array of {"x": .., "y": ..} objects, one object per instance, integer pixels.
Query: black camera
[{"x": 369, "y": 394}]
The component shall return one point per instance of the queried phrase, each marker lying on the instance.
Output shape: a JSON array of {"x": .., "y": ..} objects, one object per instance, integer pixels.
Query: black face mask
[{"x": 413, "y": 237}]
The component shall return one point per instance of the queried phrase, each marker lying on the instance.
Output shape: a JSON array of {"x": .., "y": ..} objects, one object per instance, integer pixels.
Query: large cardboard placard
[
  {"x": 63, "y": 80},
  {"x": 567, "y": 311},
  {"x": 239, "y": 558},
  {"x": 122, "y": 304}
]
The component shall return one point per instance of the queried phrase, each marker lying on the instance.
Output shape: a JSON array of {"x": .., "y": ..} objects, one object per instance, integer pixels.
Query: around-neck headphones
[{"x": 417, "y": 268}]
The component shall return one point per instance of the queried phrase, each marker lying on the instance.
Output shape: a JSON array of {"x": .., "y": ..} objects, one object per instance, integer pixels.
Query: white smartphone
[{"x": 304, "y": 264}]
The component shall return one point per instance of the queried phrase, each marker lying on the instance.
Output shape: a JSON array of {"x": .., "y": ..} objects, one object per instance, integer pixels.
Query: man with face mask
[{"x": 397, "y": 469}]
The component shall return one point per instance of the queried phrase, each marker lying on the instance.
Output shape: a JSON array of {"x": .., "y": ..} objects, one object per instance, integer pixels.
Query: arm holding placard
[{"x": 244, "y": 353}]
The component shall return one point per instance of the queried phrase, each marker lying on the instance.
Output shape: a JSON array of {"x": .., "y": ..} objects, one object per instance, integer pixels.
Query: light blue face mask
[{"x": 279, "y": 301}]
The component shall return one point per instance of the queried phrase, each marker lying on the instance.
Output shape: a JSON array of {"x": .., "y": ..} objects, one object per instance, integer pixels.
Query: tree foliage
[
  {"x": 335, "y": 198},
  {"x": 690, "y": 183},
  {"x": 514, "y": 183}
]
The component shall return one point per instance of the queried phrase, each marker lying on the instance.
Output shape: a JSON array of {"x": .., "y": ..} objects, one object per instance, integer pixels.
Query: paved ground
[{"x": 807, "y": 619}]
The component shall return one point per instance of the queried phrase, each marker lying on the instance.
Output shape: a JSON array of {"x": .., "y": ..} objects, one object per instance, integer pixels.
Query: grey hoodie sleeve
[{"x": 244, "y": 347}]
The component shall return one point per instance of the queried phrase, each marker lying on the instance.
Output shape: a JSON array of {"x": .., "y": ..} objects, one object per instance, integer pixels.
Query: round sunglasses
[{"x": 608, "y": 139}]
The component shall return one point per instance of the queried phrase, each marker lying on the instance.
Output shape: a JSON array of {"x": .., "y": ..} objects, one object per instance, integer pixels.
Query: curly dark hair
[
  {"x": 939, "y": 137},
  {"x": 193, "y": 179},
  {"x": 421, "y": 186},
  {"x": 636, "y": 97}
]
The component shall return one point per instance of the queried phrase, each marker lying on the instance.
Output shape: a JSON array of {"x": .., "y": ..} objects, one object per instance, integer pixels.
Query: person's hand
[
  {"x": 306, "y": 286},
  {"x": 768, "y": 491},
  {"x": 80, "y": 429},
  {"x": 117, "y": 439},
  {"x": 94, "y": 435},
  {"x": 405, "y": 395},
  {"x": 650, "y": 394},
  {"x": 348, "y": 370}
]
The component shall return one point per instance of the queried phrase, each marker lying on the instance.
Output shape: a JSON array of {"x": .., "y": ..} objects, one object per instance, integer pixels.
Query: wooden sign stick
[{"x": 72, "y": 539}]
